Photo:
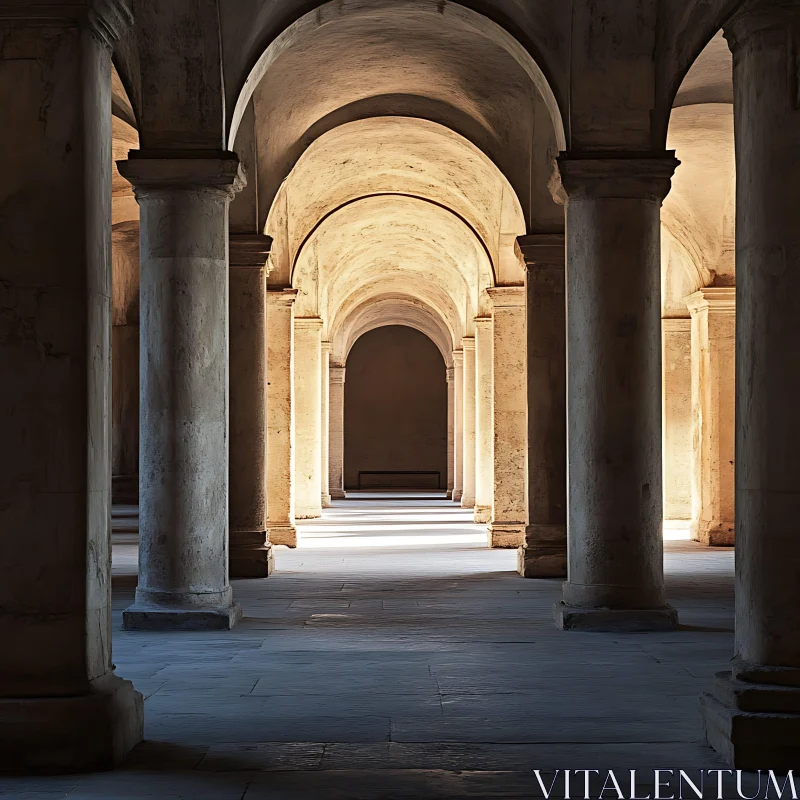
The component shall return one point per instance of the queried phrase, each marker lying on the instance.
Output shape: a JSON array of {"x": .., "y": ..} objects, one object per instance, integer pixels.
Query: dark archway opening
[{"x": 395, "y": 412}]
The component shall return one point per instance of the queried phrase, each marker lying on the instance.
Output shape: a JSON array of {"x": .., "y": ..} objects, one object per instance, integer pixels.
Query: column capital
[
  {"x": 716, "y": 299},
  {"x": 754, "y": 16},
  {"x": 281, "y": 297},
  {"x": 458, "y": 358},
  {"x": 542, "y": 250},
  {"x": 336, "y": 373},
  {"x": 507, "y": 296},
  {"x": 308, "y": 323},
  {"x": 220, "y": 172},
  {"x": 482, "y": 322},
  {"x": 249, "y": 250},
  {"x": 327, "y": 347},
  {"x": 107, "y": 18},
  {"x": 616, "y": 175},
  {"x": 468, "y": 344}
]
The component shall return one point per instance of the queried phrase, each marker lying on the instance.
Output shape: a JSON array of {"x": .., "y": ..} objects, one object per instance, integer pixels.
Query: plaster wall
[{"x": 395, "y": 405}]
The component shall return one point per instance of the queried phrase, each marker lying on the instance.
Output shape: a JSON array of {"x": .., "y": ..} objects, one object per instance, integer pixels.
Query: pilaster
[
  {"x": 280, "y": 420},
  {"x": 308, "y": 417},
  {"x": 713, "y": 311},
  {"x": 509, "y": 417},
  {"x": 458, "y": 426},
  {"x": 484, "y": 438},
  {"x": 544, "y": 553},
  {"x": 336, "y": 388}
]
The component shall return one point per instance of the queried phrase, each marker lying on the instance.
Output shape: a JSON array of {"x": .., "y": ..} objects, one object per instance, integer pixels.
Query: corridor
[{"x": 392, "y": 655}]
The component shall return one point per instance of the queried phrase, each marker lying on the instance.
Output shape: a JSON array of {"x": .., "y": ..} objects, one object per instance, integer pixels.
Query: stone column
[
  {"x": 509, "y": 417},
  {"x": 713, "y": 388},
  {"x": 614, "y": 523},
  {"x": 250, "y": 550},
  {"x": 183, "y": 471},
  {"x": 677, "y": 416},
  {"x": 280, "y": 419},
  {"x": 544, "y": 554},
  {"x": 468, "y": 494},
  {"x": 308, "y": 417},
  {"x": 458, "y": 425},
  {"x": 62, "y": 708},
  {"x": 336, "y": 441},
  {"x": 325, "y": 437},
  {"x": 451, "y": 432},
  {"x": 484, "y": 488},
  {"x": 753, "y": 716}
]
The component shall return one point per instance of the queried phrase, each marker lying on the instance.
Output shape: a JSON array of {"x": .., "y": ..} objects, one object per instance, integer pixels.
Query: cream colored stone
[
  {"x": 468, "y": 496},
  {"x": 458, "y": 437},
  {"x": 451, "y": 421},
  {"x": 308, "y": 417},
  {"x": 677, "y": 416},
  {"x": 336, "y": 428},
  {"x": 484, "y": 443},
  {"x": 325, "y": 429},
  {"x": 280, "y": 424},
  {"x": 713, "y": 400},
  {"x": 509, "y": 417}
]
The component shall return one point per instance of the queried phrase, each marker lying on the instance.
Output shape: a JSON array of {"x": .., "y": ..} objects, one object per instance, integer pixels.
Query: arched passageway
[{"x": 499, "y": 176}]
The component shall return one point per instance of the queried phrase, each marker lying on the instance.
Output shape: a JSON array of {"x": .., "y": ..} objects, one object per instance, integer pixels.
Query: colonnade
[{"x": 64, "y": 705}]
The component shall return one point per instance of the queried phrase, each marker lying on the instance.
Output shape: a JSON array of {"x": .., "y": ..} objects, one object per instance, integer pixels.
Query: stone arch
[
  {"x": 489, "y": 100},
  {"x": 388, "y": 310}
]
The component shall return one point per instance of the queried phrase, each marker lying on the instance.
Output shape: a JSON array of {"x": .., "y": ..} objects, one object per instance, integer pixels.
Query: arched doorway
[{"x": 395, "y": 413}]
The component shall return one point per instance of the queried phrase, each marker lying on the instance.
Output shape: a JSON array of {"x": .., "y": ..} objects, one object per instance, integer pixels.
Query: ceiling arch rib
[
  {"x": 365, "y": 58},
  {"x": 390, "y": 310},
  {"x": 391, "y": 239},
  {"x": 403, "y": 156}
]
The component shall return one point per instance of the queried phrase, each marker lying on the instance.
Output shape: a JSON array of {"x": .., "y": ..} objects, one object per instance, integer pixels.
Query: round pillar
[
  {"x": 63, "y": 708},
  {"x": 544, "y": 553},
  {"x": 280, "y": 419},
  {"x": 509, "y": 417},
  {"x": 183, "y": 471},
  {"x": 326, "y": 425},
  {"x": 336, "y": 423},
  {"x": 308, "y": 417},
  {"x": 468, "y": 494},
  {"x": 458, "y": 425},
  {"x": 250, "y": 551},
  {"x": 483, "y": 420},
  {"x": 451, "y": 430},
  {"x": 752, "y": 717},
  {"x": 615, "y": 570}
]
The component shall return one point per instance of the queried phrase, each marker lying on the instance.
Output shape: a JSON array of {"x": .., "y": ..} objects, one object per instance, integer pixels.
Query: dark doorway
[{"x": 395, "y": 412}]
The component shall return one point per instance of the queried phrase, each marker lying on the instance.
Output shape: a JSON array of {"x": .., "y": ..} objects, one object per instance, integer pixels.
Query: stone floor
[{"x": 392, "y": 655}]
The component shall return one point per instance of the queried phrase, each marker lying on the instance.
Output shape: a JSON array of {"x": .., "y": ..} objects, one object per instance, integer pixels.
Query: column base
[
  {"x": 482, "y": 515},
  {"x": 449, "y": 494},
  {"x": 457, "y": 494},
  {"x": 142, "y": 616},
  {"x": 753, "y": 725},
  {"x": 713, "y": 533},
  {"x": 89, "y": 732},
  {"x": 544, "y": 552},
  {"x": 250, "y": 555},
  {"x": 308, "y": 513},
  {"x": 506, "y": 535},
  {"x": 283, "y": 534},
  {"x": 326, "y": 501},
  {"x": 614, "y": 620},
  {"x": 337, "y": 494},
  {"x": 466, "y": 502}
]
